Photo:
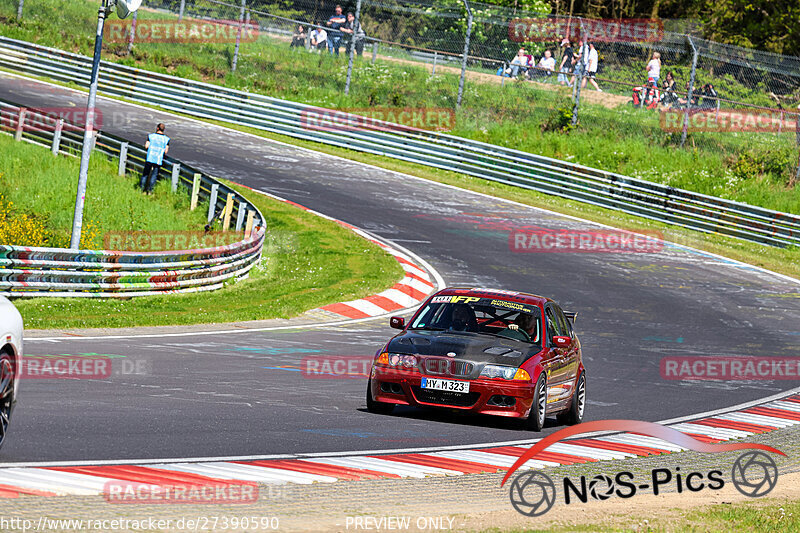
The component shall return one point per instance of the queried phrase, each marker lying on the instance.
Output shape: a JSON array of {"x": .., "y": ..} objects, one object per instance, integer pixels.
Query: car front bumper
[{"x": 485, "y": 396}]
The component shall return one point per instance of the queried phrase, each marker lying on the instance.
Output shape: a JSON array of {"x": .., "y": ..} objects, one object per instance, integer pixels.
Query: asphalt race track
[{"x": 230, "y": 395}]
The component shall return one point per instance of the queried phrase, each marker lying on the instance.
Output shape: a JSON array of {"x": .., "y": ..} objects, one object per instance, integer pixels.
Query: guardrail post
[
  {"x": 435, "y": 57},
  {"x": 195, "y": 192},
  {"x": 176, "y": 173},
  {"x": 240, "y": 216},
  {"x": 19, "y": 9},
  {"x": 374, "y": 52},
  {"x": 212, "y": 202},
  {"x": 57, "y": 137},
  {"x": 226, "y": 221},
  {"x": 248, "y": 229},
  {"x": 93, "y": 141},
  {"x": 20, "y": 124},
  {"x": 123, "y": 159}
]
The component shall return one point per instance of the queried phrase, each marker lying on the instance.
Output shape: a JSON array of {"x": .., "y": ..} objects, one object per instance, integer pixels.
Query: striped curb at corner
[
  {"x": 59, "y": 479},
  {"x": 419, "y": 281}
]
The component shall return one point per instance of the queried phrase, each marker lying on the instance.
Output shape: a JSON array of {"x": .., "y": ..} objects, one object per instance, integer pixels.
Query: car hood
[{"x": 472, "y": 347}]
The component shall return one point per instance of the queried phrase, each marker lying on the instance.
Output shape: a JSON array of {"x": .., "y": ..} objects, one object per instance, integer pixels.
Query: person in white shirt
[
  {"x": 591, "y": 68},
  {"x": 319, "y": 40},
  {"x": 520, "y": 62},
  {"x": 547, "y": 64},
  {"x": 654, "y": 69}
]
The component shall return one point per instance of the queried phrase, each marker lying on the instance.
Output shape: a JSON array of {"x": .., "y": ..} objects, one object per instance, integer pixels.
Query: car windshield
[{"x": 488, "y": 316}]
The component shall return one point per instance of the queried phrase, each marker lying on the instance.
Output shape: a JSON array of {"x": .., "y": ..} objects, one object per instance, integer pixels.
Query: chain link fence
[{"x": 715, "y": 119}]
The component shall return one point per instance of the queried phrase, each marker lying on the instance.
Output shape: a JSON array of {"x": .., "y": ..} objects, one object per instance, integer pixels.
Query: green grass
[
  {"x": 43, "y": 187},
  {"x": 777, "y": 517},
  {"x": 308, "y": 261},
  {"x": 755, "y": 169}
]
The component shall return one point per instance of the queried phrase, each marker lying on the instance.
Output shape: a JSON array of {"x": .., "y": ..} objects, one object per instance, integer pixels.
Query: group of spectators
[
  {"x": 342, "y": 29},
  {"x": 582, "y": 62},
  {"x": 653, "y": 94}
]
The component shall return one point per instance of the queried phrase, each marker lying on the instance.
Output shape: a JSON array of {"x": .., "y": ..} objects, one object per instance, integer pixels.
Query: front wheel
[
  {"x": 379, "y": 408},
  {"x": 536, "y": 417},
  {"x": 6, "y": 393},
  {"x": 575, "y": 413}
]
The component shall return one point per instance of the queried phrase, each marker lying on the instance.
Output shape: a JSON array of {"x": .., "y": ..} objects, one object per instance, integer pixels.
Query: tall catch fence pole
[
  {"x": 691, "y": 90},
  {"x": 466, "y": 54},
  {"x": 19, "y": 9},
  {"x": 580, "y": 68},
  {"x": 86, "y": 151},
  {"x": 353, "y": 36},
  {"x": 238, "y": 37}
]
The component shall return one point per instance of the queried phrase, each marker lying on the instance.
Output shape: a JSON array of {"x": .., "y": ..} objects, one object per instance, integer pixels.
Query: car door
[
  {"x": 571, "y": 353},
  {"x": 557, "y": 363}
]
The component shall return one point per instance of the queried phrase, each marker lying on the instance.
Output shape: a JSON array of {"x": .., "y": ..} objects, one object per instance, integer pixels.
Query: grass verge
[
  {"x": 780, "y": 517},
  {"x": 307, "y": 262},
  {"x": 755, "y": 168},
  {"x": 36, "y": 207}
]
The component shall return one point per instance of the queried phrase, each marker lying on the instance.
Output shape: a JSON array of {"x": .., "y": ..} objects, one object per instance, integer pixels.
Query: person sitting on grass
[
  {"x": 519, "y": 65},
  {"x": 319, "y": 40},
  {"x": 546, "y": 66},
  {"x": 299, "y": 38},
  {"x": 668, "y": 94}
]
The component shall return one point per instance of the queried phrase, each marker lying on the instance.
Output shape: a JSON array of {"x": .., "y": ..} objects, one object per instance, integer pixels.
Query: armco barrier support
[
  {"x": 27, "y": 271},
  {"x": 559, "y": 178}
]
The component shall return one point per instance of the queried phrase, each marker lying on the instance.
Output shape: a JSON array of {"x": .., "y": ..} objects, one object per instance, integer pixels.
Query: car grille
[
  {"x": 447, "y": 367},
  {"x": 456, "y": 399}
]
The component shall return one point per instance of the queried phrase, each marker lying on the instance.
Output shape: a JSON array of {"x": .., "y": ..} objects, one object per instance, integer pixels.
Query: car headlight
[
  {"x": 398, "y": 360},
  {"x": 504, "y": 372}
]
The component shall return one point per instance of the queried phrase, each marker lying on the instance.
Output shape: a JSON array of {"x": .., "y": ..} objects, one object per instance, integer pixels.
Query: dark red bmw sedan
[{"x": 487, "y": 351}]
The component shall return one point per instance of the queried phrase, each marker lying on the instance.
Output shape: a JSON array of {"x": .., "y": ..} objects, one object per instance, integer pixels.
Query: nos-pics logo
[{"x": 534, "y": 493}]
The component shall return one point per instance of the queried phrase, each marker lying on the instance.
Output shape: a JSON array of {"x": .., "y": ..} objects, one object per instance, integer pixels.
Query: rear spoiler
[{"x": 571, "y": 315}]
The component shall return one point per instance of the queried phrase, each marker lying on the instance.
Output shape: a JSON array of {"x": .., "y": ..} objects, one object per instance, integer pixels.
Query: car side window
[
  {"x": 566, "y": 327},
  {"x": 552, "y": 322}
]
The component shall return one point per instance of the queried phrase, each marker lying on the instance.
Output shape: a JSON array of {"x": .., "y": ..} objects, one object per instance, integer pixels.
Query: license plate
[{"x": 445, "y": 384}]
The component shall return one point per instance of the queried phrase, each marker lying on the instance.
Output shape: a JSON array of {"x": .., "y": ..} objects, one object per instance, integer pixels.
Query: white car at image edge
[{"x": 10, "y": 359}]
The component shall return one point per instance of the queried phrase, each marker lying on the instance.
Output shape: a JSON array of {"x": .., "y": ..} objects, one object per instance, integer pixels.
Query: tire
[
  {"x": 378, "y": 408},
  {"x": 576, "y": 409},
  {"x": 6, "y": 393},
  {"x": 535, "y": 421}
]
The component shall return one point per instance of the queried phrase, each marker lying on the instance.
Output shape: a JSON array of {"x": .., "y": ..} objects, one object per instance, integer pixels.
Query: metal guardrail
[
  {"x": 568, "y": 180},
  {"x": 35, "y": 271}
]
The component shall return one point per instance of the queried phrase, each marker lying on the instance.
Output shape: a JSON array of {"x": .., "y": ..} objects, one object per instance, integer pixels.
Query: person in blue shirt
[
  {"x": 157, "y": 147},
  {"x": 336, "y": 21}
]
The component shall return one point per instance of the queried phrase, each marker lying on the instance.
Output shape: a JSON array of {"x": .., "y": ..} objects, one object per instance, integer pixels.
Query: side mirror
[
  {"x": 397, "y": 322},
  {"x": 561, "y": 342}
]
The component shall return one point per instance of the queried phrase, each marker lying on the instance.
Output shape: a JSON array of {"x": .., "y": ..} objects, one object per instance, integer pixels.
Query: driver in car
[
  {"x": 523, "y": 323},
  {"x": 463, "y": 319}
]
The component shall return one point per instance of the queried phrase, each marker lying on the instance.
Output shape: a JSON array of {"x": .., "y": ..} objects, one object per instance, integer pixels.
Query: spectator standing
[
  {"x": 591, "y": 68},
  {"x": 336, "y": 21},
  {"x": 580, "y": 60},
  {"x": 567, "y": 65},
  {"x": 299, "y": 38},
  {"x": 353, "y": 34},
  {"x": 157, "y": 145},
  {"x": 319, "y": 40},
  {"x": 654, "y": 69}
]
